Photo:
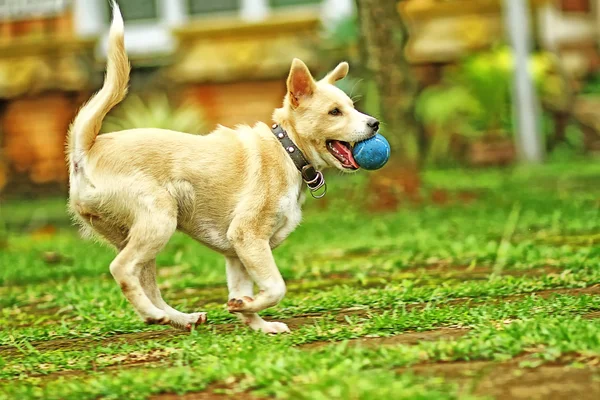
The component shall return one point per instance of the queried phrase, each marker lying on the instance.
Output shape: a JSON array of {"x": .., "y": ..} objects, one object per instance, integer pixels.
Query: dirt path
[
  {"x": 86, "y": 342},
  {"x": 213, "y": 392},
  {"x": 340, "y": 315},
  {"x": 203, "y": 396},
  {"x": 508, "y": 380},
  {"x": 406, "y": 338},
  {"x": 409, "y": 337}
]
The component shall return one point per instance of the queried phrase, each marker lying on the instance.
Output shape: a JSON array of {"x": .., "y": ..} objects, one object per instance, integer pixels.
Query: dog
[{"x": 237, "y": 191}]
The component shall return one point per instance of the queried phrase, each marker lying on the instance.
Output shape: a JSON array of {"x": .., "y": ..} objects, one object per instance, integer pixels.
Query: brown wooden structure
[
  {"x": 236, "y": 70},
  {"x": 45, "y": 73}
]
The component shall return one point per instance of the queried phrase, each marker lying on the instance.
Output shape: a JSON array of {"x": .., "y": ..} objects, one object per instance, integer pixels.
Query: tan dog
[{"x": 236, "y": 191}]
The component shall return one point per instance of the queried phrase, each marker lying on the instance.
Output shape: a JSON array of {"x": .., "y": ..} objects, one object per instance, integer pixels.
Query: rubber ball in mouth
[{"x": 372, "y": 153}]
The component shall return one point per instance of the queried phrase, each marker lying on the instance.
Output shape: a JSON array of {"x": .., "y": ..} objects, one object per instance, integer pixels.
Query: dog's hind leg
[
  {"x": 112, "y": 234},
  {"x": 176, "y": 319},
  {"x": 143, "y": 273},
  {"x": 150, "y": 232},
  {"x": 241, "y": 288}
]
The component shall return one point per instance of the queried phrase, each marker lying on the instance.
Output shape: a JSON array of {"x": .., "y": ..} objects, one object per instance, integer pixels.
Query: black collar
[{"x": 314, "y": 179}]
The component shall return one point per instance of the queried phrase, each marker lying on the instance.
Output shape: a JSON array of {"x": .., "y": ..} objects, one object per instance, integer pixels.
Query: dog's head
[{"x": 325, "y": 123}]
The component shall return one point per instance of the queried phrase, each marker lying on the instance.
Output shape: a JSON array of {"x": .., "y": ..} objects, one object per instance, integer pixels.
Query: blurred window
[
  {"x": 139, "y": 10},
  {"x": 199, "y": 7},
  {"x": 286, "y": 3},
  {"x": 24, "y": 9}
]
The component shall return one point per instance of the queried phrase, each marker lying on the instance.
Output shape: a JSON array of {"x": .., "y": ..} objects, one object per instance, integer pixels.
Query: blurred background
[{"x": 438, "y": 73}]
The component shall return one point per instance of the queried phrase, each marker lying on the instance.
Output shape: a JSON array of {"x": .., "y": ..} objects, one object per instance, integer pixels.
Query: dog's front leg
[
  {"x": 255, "y": 254},
  {"x": 241, "y": 287}
]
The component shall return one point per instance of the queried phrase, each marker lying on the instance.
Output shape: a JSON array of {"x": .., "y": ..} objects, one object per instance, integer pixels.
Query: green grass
[{"x": 513, "y": 271}]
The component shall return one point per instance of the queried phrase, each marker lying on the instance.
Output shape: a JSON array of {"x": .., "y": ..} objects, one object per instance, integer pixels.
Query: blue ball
[{"x": 372, "y": 153}]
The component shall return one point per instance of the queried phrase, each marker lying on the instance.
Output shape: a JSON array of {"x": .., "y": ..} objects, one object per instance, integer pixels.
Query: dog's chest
[{"x": 289, "y": 216}]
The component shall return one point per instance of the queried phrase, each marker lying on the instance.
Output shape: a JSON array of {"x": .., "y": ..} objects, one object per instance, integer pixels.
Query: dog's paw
[
  {"x": 196, "y": 319},
  {"x": 270, "y": 327},
  {"x": 187, "y": 321},
  {"x": 239, "y": 305}
]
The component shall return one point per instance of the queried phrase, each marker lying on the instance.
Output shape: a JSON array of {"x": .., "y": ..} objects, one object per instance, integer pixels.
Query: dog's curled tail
[{"x": 87, "y": 123}]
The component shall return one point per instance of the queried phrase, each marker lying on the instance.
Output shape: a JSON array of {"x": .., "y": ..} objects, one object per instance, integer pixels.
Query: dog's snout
[{"x": 373, "y": 124}]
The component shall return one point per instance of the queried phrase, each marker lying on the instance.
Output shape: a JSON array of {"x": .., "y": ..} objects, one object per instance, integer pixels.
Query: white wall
[
  {"x": 333, "y": 10},
  {"x": 88, "y": 17},
  {"x": 557, "y": 27},
  {"x": 254, "y": 10},
  {"x": 142, "y": 38}
]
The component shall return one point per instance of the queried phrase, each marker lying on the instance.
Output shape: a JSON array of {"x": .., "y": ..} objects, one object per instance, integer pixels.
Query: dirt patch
[
  {"x": 591, "y": 290},
  {"x": 213, "y": 392},
  {"x": 592, "y": 315},
  {"x": 406, "y": 338},
  {"x": 432, "y": 335},
  {"x": 86, "y": 342},
  {"x": 203, "y": 396},
  {"x": 508, "y": 380},
  {"x": 410, "y": 338},
  {"x": 147, "y": 363},
  {"x": 340, "y": 315},
  {"x": 583, "y": 240}
]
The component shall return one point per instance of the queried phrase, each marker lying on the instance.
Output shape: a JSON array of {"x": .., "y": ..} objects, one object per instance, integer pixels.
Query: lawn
[{"x": 487, "y": 286}]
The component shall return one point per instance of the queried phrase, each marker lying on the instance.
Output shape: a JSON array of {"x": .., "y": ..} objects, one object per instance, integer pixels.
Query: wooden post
[{"x": 383, "y": 36}]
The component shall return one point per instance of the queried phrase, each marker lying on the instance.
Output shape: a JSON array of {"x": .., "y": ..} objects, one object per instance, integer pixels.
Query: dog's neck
[
  {"x": 309, "y": 153},
  {"x": 311, "y": 175}
]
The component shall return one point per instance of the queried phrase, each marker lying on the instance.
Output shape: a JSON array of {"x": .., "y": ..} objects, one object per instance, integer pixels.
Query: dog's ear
[
  {"x": 300, "y": 83},
  {"x": 338, "y": 73}
]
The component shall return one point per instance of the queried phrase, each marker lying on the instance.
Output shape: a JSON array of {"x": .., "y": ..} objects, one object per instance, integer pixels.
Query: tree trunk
[{"x": 383, "y": 37}]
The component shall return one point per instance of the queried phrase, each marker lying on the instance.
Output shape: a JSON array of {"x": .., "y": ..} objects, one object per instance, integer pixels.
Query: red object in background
[{"x": 578, "y": 6}]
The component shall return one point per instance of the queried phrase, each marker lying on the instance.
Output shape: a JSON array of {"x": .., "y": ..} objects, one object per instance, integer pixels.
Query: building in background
[
  {"x": 44, "y": 69},
  {"x": 442, "y": 31}
]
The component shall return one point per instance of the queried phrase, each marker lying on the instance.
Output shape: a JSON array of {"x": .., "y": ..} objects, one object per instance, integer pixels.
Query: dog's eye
[{"x": 335, "y": 111}]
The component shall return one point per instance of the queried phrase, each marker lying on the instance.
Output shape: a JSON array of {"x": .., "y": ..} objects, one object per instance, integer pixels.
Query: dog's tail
[{"x": 87, "y": 123}]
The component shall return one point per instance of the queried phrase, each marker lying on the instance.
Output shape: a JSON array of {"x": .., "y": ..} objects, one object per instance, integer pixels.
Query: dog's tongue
[{"x": 346, "y": 151}]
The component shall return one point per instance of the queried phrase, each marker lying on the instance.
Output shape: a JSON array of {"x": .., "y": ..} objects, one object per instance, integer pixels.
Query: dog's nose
[{"x": 373, "y": 124}]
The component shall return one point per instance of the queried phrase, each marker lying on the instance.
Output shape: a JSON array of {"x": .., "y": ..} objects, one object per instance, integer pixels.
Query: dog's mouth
[{"x": 342, "y": 151}]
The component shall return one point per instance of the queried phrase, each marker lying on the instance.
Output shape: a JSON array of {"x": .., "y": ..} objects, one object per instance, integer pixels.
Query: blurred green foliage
[
  {"x": 472, "y": 101},
  {"x": 474, "y": 98},
  {"x": 592, "y": 85},
  {"x": 481, "y": 84},
  {"x": 155, "y": 111}
]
